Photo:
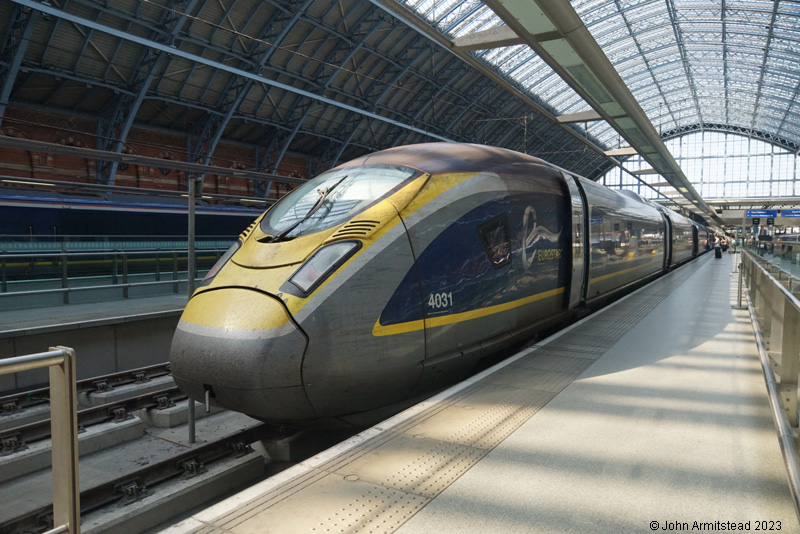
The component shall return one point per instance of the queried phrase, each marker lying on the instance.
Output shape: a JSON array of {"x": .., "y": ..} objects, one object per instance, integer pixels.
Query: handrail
[
  {"x": 786, "y": 437},
  {"x": 108, "y": 237},
  {"x": 11, "y": 246},
  {"x": 780, "y": 353},
  {"x": 780, "y": 265},
  {"x": 127, "y": 285},
  {"x": 63, "y": 428},
  {"x": 113, "y": 264},
  {"x": 17, "y": 255},
  {"x": 786, "y": 293}
]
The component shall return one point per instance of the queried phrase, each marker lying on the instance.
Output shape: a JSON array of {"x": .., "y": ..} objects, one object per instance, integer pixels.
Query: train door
[
  {"x": 465, "y": 218},
  {"x": 580, "y": 257},
  {"x": 695, "y": 236},
  {"x": 668, "y": 236},
  {"x": 492, "y": 256}
]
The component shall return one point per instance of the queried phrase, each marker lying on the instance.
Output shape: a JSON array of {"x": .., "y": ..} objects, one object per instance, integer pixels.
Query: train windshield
[{"x": 331, "y": 198}]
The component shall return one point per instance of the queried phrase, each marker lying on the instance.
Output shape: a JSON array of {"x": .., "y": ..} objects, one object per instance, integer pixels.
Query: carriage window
[{"x": 494, "y": 235}]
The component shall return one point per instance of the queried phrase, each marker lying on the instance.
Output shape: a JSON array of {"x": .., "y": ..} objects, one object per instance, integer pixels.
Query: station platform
[
  {"x": 71, "y": 316},
  {"x": 649, "y": 415},
  {"x": 106, "y": 336}
]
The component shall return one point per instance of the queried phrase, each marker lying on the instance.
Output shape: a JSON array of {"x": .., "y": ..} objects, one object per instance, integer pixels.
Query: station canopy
[
  {"x": 332, "y": 80},
  {"x": 692, "y": 65}
]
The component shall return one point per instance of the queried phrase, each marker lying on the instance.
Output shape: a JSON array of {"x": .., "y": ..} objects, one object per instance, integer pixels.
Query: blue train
[
  {"x": 39, "y": 212},
  {"x": 393, "y": 275}
]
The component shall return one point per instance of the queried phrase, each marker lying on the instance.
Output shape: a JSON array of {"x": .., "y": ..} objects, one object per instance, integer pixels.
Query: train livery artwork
[{"x": 393, "y": 275}]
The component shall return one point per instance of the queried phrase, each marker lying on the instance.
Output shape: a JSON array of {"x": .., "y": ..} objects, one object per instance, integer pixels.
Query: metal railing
[
  {"x": 782, "y": 258},
  {"x": 63, "y": 428},
  {"x": 87, "y": 271},
  {"x": 775, "y": 312},
  {"x": 35, "y": 244}
]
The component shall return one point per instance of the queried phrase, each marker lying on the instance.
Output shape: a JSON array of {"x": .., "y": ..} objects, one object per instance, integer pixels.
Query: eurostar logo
[{"x": 534, "y": 233}]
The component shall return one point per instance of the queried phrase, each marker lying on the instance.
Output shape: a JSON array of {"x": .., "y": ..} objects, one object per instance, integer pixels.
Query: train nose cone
[{"x": 242, "y": 345}]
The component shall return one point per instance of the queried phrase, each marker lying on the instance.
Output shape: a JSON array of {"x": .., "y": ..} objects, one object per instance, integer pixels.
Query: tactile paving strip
[{"x": 378, "y": 485}]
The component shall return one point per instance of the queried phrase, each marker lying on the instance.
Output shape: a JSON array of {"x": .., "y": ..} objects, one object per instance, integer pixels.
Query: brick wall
[{"x": 66, "y": 130}]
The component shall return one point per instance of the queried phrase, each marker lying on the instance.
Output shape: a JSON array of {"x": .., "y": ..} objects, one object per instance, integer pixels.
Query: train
[
  {"x": 37, "y": 225},
  {"x": 28, "y": 212},
  {"x": 395, "y": 274}
]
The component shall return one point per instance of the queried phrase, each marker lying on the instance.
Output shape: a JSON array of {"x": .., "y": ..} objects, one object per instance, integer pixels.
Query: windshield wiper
[{"x": 323, "y": 194}]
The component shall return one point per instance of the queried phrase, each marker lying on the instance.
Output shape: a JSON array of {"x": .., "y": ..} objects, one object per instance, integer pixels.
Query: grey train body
[{"x": 477, "y": 250}]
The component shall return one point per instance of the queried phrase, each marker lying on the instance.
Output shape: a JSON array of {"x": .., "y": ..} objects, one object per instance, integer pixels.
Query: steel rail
[
  {"x": 129, "y": 487},
  {"x": 18, "y": 437},
  {"x": 33, "y": 397}
]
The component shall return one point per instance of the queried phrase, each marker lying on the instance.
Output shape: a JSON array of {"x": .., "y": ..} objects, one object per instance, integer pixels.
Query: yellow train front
[{"x": 392, "y": 275}]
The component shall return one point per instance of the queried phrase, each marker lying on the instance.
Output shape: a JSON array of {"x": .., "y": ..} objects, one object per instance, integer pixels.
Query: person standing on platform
[{"x": 717, "y": 248}]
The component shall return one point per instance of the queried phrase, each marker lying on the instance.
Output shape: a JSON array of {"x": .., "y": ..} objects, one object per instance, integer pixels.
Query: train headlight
[
  {"x": 321, "y": 264},
  {"x": 220, "y": 262}
]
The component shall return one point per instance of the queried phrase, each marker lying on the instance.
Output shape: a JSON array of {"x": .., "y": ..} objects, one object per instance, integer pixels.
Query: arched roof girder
[
  {"x": 203, "y": 141},
  {"x": 19, "y": 29},
  {"x": 688, "y": 63},
  {"x": 116, "y": 119},
  {"x": 342, "y": 53},
  {"x": 209, "y": 83},
  {"x": 724, "y": 128}
]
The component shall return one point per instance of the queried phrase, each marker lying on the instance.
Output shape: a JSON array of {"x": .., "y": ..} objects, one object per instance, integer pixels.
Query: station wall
[{"x": 71, "y": 131}]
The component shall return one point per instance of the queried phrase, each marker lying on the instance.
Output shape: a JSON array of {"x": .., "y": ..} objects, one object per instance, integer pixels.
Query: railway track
[
  {"x": 128, "y": 488},
  {"x": 132, "y": 486},
  {"x": 14, "y": 402},
  {"x": 111, "y": 403},
  {"x": 19, "y": 437}
]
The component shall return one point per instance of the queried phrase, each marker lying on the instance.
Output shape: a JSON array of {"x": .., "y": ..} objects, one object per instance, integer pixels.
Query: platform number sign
[
  {"x": 770, "y": 222},
  {"x": 756, "y": 220}
]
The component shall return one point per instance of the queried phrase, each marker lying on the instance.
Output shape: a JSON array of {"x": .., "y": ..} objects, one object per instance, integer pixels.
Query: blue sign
[
  {"x": 790, "y": 213},
  {"x": 761, "y": 213}
]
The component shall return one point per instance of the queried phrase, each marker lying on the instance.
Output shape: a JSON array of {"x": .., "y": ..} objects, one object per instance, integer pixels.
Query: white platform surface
[
  {"x": 671, "y": 425},
  {"x": 651, "y": 415}
]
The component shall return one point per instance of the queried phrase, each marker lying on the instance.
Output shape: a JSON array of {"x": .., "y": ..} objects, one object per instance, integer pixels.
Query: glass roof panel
[
  {"x": 720, "y": 166},
  {"x": 687, "y": 62}
]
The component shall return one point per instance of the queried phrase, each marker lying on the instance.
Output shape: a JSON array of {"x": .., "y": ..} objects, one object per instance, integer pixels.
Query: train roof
[{"x": 434, "y": 158}]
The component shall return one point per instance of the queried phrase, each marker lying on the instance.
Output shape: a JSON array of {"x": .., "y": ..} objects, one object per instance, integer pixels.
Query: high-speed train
[
  {"x": 38, "y": 212},
  {"x": 393, "y": 274}
]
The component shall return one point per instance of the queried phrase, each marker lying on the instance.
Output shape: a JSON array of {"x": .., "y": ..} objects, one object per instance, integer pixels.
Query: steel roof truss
[
  {"x": 115, "y": 121},
  {"x": 558, "y": 36},
  {"x": 208, "y": 136},
  {"x": 18, "y": 35}
]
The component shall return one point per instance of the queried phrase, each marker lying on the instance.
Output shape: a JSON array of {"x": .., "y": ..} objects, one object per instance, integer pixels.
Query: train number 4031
[{"x": 440, "y": 300}]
